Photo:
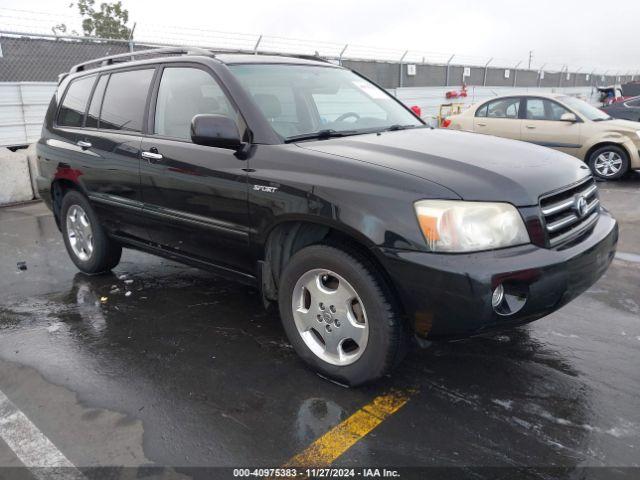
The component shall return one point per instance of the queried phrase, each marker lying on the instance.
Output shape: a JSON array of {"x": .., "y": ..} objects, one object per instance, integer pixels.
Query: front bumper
[{"x": 449, "y": 295}]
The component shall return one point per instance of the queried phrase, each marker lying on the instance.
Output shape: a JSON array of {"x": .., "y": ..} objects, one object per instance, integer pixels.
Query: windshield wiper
[
  {"x": 395, "y": 127},
  {"x": 321, "y": 135},
  {"x": 602, "y": 119}
]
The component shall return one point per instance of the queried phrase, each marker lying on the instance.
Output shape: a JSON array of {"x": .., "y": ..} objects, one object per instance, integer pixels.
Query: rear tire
[
  {"x": 609, "y": 162},
  {"x": 87, "y": 243},
  {"x": 340, "y": 315}
]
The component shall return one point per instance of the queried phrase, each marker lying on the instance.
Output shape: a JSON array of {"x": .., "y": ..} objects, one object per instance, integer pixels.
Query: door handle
[
  {"x": 481, "y": 124},
  {"x": 83, "y": 145},
  {"x": 153, "y": 157},
  {"x": 530, "y": 127}
]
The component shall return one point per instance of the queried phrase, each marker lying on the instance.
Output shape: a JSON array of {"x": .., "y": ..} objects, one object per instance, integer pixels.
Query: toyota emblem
[{"x": 581, "y": 206}]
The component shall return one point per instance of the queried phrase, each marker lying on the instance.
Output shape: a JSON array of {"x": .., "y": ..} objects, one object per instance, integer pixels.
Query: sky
[{"x": 579, "y": 34}]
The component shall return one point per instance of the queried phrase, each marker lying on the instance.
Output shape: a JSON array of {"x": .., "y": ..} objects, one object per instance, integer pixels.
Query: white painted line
[
  {"x": 31, "y": 446},
  {"x": 628, "y": 257}
]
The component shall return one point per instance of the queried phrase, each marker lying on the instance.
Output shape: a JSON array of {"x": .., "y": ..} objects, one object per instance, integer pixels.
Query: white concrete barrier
[
  {"x": 33, "y": 167},
  {"x": 15, "y": 176}
]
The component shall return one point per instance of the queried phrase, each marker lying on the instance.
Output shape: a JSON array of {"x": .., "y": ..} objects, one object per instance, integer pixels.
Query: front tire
[
  {"x": 609, "y": 162},
  {"x": 87, "y": 243},
  {"x": 339, "y": 315}
]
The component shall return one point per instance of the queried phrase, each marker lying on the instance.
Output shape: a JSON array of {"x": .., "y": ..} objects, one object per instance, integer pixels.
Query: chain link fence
[
  {"x": 34, "y": 57},
  {"x": 30, "y": 51}
]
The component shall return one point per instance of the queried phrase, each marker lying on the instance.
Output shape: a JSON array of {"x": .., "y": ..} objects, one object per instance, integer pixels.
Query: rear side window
[
  {"x": 74, "y": 104},
  {"x": 503, "y": 108},
  {"x": 183, "y": 94},
  {"x": 125, "y": 99},
  {"x": 96, "y": 103}
]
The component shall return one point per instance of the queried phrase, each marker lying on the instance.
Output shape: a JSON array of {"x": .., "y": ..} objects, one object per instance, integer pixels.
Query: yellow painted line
[{"x": 326, "y": 449}]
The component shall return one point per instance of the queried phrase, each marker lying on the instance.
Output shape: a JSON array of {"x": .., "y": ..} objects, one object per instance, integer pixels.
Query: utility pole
[{"x": 530, "y": 58}]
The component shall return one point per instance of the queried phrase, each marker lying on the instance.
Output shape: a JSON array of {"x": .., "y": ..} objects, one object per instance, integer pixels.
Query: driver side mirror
[
  {"x": 215, "y": 131},
  {"x": 568, "y": 117}
]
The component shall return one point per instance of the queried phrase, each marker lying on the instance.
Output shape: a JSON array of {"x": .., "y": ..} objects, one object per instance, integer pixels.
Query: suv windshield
[
  {"x": 583, "y": 108},
  {"x": 303, "y": 101}
]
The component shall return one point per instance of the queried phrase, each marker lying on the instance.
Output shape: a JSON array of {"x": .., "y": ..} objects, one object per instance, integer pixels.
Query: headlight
[{"x": 459, "y": 226}]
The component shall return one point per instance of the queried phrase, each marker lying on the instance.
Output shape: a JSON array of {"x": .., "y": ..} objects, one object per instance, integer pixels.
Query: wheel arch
[
  {"x": 59, "y": 188},
  {"x": 604, "y": 143},
  {"x": 289, "y": 235}
]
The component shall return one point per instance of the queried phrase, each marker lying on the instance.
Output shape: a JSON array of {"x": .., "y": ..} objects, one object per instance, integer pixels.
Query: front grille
[{"x": 564, "y": 220}]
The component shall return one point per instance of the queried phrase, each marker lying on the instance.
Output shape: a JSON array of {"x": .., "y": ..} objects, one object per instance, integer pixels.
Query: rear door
[
  {"x": 500, "y": 117},
  {"x": 542, "y": 126},
  {"x": 112, "y": 138},
  {"x": 195, "y": 196},
  {"x": 67, "y": 132}
]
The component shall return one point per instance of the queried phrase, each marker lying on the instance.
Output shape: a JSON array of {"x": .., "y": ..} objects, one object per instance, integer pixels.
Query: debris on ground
[
  {"x": 22, "y": 266},
  {"x": 53, "y": 328},
  {"x": 128, "y": 293},
  {"x": 103, "y": 299},
  {"x": 128, "y": 282}
]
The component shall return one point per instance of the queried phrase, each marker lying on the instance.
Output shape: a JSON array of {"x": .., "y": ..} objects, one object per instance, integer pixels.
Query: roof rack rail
[
  {"x": 130, "y": 56},
  {"x": 316, "y": 57},
  {"x": 303, "y": 56}
]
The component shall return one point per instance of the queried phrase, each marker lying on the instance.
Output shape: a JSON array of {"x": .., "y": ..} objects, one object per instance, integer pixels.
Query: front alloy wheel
[
  {"x": 330, "y": 317},
  {"x": 340, "y": 315},
  {"x": 609, "y": 163}
]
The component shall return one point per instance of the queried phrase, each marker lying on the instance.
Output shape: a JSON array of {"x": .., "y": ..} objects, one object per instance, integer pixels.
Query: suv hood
[{"x": 476, "y": 167}]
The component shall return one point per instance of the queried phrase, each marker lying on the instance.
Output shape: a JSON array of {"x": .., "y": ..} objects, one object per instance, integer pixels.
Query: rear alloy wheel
[
  {"x": 609, "y": 162},
  {"x": 79, "y": 232},
  {"x": 87, "y": 243},
  {"x": 339, "y": 314}
]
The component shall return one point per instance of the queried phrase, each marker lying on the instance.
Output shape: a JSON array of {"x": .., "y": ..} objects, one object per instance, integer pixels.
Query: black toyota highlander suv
[{"x": 306, "y": 180}]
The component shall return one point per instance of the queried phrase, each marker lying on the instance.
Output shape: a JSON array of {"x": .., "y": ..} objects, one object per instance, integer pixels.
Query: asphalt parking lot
[{"x": 164, "y": 365}]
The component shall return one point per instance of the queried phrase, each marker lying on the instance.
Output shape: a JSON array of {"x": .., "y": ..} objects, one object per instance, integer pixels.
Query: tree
[{"x": 108, "y": 22}]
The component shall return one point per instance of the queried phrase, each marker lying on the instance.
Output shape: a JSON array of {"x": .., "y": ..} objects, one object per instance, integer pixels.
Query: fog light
[{"x": 498, "y": 296}]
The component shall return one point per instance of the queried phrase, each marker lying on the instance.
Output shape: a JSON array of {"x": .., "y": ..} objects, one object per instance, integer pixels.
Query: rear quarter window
[
  {"x": 482, "y": 111},
  {"x": 74, "y": 103}
]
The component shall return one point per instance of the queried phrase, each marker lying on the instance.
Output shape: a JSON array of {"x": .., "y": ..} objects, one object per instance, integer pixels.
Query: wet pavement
[{"x": 187, "y": 370}]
